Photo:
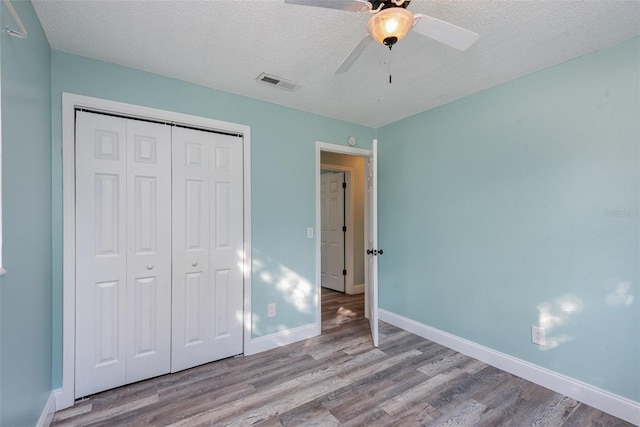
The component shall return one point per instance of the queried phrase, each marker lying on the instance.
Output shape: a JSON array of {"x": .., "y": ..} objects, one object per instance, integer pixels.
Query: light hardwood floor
[{"x": 336, "y": 379}]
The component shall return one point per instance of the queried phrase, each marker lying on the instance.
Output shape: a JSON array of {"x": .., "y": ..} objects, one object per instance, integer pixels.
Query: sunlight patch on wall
[
  {"x": 552, "y": 315},
  {"x": 293, "y": 291},
  {"x": 620, "y": 295},
  {"x": 295, "y": 288}
]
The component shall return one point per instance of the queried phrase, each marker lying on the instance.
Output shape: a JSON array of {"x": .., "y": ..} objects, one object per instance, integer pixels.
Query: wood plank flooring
[{"x": 338, "y": 379}]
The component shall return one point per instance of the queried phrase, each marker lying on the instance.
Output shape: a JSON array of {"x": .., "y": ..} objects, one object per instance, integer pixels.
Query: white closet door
[
  {"x": 191, "y": 256},
  {"x": 207, "y": 247},
  {"x": 101, "y": 260},
  {"x": 226, "y": 245},
  {"x": 148, "y": 250},
  {"x": 123, "y": 251}
]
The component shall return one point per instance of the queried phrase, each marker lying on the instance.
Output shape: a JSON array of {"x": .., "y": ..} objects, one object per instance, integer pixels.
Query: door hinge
[
  {"x": 344, "y": 185},
  {"x": 344, "y": 228},
  {"x": 344, "y": 272}
]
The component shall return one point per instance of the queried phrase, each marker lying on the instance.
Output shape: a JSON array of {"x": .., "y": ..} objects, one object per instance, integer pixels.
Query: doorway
[
  {"x": 342, "y": 237},
  {"x": 360, "y": 264},
  {"x": 349, "y": 172}
]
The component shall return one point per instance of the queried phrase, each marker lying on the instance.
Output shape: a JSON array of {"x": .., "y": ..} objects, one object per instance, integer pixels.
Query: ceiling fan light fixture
[{"x": 390, "y": 25}]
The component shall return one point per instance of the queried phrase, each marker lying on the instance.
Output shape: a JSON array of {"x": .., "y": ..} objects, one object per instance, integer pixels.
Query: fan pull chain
[{"x": 390, "y": 68}]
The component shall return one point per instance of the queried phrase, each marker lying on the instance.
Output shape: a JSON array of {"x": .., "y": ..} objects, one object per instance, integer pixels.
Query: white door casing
[
  {"x": 123, "y": 260},
  {"x": 371, "y": 243},
  {"x": 332, "y": 234},
  {"x": 72, "y": 104}
]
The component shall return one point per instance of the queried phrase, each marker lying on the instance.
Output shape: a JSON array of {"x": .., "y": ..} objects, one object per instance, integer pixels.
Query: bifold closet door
[
  {"x": 148, "y": 250},
  {"x": 123, "y": 251},
  {"x": 207, "y": 247}
]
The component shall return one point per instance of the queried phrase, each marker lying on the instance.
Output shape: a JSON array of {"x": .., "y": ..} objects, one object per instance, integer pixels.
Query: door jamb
[
  {"x": 333, "y": 148},
  {"x": 65, "y": 396}
]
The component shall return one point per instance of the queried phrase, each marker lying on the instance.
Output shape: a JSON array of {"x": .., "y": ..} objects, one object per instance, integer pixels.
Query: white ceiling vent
[{"x": 277, "y": 82}]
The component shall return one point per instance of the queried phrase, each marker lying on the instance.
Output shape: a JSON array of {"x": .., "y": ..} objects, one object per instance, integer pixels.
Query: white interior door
[
  {"x": 227, "y": 239},
  {"x": 101, "y": 260},
  {"x": 122, "y": 251},
  {"x": 190, "y": 248},
  {"x": 332, "y": 233},
  {"x": 207, "y": 247},
  {"x": 148, "y": 250},
  {"x": 371, "y": 243}
]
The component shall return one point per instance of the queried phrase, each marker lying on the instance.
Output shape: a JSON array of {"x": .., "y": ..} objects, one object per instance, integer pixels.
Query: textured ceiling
[{"x": 226, "y": 44}]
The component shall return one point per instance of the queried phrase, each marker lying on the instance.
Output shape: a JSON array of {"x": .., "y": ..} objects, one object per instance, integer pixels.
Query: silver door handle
[
  {"x": 149, "y": 267},
  {"x": 194, "y": 263}
]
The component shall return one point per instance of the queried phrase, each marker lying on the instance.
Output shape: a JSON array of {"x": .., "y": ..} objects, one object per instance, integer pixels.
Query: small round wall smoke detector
[{"x": 352, "y": 141}]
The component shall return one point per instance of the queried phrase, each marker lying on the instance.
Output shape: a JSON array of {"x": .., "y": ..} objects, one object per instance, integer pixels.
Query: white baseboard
[
  {"x": 47, "y": 412},
  {"x": 63, "y": 400},
  {"x": 603, "y": 400},
  {"x": 268, "y": 342},
  {"x": 356, "y": 289}
]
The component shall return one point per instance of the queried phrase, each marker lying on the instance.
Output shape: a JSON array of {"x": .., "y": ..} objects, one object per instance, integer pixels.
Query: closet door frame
[{"x": 65, "y": 396}]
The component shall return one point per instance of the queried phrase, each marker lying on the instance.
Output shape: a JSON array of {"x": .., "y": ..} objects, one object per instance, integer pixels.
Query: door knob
[
  {"x": 149, "y": 267},
  {"x": 380, "y": 252},
  {"x": 194, "y": 263}
]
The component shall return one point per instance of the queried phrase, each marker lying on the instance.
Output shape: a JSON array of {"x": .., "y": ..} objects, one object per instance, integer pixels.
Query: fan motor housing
[
  {"x": 386, "y": 4},
  {"x": 390, "y": 41}
]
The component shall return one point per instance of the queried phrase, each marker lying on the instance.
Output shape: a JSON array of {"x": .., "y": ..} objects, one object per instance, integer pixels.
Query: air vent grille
[{"x": 278, "y": 82}]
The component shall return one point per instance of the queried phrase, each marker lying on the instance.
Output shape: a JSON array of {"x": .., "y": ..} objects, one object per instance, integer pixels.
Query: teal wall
[
  {"x": 25, "y": 291},
  {"x": 519, "y": 206},
  {"x": 282, "y": 179}
]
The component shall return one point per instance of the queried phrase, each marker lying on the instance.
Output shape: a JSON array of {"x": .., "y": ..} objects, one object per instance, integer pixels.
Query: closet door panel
[
  {"x": 148, "y": 249},
  {"x": 101, "y": 273},
  {"x": 226, "y": 245},
  {"x": 191, "y": 322}
]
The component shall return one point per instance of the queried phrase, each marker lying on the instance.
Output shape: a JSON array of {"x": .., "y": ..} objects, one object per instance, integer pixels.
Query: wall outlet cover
[{"x": 538, "y": 335}]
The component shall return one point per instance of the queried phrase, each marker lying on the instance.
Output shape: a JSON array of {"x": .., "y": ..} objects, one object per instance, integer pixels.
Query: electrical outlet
[
  {"x": 538, "y": 335},
  {"x": 271, "y": 310}
]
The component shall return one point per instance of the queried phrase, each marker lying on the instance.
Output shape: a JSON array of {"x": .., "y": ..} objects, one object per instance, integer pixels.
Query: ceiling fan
[{"x": 390, "y": 22}]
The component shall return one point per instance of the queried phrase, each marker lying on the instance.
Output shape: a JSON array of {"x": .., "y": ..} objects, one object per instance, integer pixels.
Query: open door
[{"x": 371, "y": 243}]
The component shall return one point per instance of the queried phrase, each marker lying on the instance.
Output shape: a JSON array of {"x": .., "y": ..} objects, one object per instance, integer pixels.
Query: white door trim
[
  {"x": 69, "y": 104},
  {"x": 333, "y": 148}
]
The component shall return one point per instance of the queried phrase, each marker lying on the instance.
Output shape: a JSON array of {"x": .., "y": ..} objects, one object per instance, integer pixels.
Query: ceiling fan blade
[
  {"x": 444, "y": 32},
  {"x": 348, "y": 5},
  {"x": 354, "y": 55}
]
